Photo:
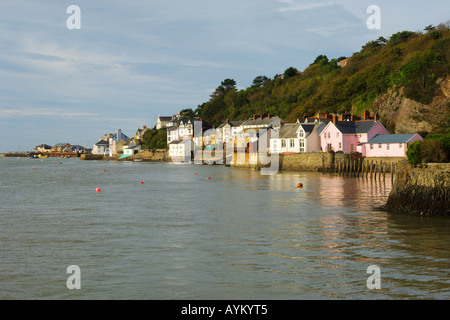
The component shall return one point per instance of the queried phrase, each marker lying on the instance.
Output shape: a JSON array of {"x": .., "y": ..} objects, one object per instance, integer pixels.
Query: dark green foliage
[
  {"x": 413, "y": 152},
  {"x": 290, "y": 72},
  {"x": 434, "y": 148},
  {"x": 155, "y": 139},
  {"x": 407, "y": 59}
]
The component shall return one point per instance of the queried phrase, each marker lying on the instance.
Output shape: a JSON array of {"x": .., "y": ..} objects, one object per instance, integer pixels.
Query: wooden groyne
[
  {"x": 369, "y": 169},
  {"x": 422, "y": 191}
]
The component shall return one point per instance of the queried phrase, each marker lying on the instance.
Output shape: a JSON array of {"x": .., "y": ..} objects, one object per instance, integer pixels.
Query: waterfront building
[
  {"x": 297, "y": 138},
  {"x": 347, "y": 136},
  {"x": 392, "y": 145}
]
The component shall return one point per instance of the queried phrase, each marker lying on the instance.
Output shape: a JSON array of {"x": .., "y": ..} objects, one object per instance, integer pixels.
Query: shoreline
[{"x": 418, "y": 191}]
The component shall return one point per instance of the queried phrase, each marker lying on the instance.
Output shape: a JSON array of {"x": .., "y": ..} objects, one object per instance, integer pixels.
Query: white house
[
  {"x": 131, "y": 149},
  {"x": 297, "y": 138},
  {"x": 181, "y": 151},
  {"x": 101, "y": 148}
]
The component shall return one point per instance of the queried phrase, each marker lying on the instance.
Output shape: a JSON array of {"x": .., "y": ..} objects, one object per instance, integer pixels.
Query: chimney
[
  {"x": 254, "y": 117},
  {"x": 376, "y": 116},
  {"x": 269, "y": 116},
  {"x": 352, "y": 117},
  {"x": 366, "y": 114},
  {"x": 145, "y": 127},
  {"x": 261, "y": 116},
  {"x": 335, "y": 119}
]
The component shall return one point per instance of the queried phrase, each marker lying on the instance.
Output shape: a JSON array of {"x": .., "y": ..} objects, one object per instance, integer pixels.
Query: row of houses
[
  {"x": 61, "y": 148},
  {"x": 118, "y": 143},
  {"x": 345, "y": 133}
]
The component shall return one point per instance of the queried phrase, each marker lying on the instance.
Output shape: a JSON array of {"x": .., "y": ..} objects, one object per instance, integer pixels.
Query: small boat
[
  {"x": 137, "y": 160},
  {"x": 42, "y": 156}
]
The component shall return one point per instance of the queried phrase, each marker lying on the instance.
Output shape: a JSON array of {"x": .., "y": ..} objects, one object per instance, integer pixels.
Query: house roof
[
  {"x": 321, "y": 126},
  {"x": 205, "y": 125},
  {"x": 258, "y": 121},
  {"x": 355, "y": 127},
  {"x": 102, "y": 143},
  {"x": 163, "y": 118},
  {"x": 289, "y": 130},
  {"x": 62, "y": 144},
  {"x": 46, "y": 146},
  {"x": 391, "y": 138},
  {"x": 308, "y": 127}
]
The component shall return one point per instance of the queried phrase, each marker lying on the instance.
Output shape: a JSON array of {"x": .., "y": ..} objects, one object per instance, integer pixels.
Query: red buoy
[
  {"x": 98, "y": 190},
  {"x": 142, "y": 182},
  {"x": 300, "y": 185}
]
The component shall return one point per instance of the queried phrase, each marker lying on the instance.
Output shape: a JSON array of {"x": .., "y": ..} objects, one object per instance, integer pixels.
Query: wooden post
[{"x": 392, "y": 173}]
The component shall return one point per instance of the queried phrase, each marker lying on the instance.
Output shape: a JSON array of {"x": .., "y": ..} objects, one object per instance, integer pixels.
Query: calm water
[{"x": 240, "y": 235}]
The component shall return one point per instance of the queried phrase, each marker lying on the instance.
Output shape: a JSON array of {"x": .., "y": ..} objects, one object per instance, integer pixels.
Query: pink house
[
  {"x": 392, "y": 145},
  {"x": 349, "y": 136}
]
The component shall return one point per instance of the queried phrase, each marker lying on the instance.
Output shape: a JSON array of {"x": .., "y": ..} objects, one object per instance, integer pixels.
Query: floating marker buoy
[
  {"x": 300, "y": 185},
  {"x": 34, "y": 168},
  {"x": 196, "y": 173},
  {"x": 98, "y": 190},
  {"x": 209, "y": 178},
  {"x": 87, "y": 165},
  {"x": 104, "y": 170},
  {"x": 142, "y": 182}
]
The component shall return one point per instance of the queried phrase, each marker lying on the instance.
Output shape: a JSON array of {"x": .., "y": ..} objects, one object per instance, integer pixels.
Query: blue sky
[{"x": 132, "y": 60}]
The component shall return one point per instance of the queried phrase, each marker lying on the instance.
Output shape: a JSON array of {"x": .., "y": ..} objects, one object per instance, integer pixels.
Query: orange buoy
[
  {"x": 196, "y": 173},
  {"x": 104, "y": 170},
  {"x": 209, "y": 178},
  {"x": 98, "y": 190},
  {"x": 300, "y": 185},
  {"x": 142, "y": 182},
  {"x": 34, "y": 168}
]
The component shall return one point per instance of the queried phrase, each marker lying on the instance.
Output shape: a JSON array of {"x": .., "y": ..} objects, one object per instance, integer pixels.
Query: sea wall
[
  {"x": 422, "y": 191},
  {"x": 145, "y": 155},
  {"x": 305, "y": 161}
]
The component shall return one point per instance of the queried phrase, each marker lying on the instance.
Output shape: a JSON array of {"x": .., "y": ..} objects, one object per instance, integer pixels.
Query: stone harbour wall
[{"x": 422, "y": 191}]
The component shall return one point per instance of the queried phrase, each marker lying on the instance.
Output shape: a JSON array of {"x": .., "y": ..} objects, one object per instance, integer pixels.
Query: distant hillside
[{"x": 404, "y": 78}]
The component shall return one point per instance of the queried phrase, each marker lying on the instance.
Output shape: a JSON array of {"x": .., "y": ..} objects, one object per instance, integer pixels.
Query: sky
[{"x": 133, "y": 60}]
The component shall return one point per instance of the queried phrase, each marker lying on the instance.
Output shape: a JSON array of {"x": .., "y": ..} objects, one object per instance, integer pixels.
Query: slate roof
[
  {"x": 259, "y": 121},
  {"x": 102, "y": 143},
  {"x": 391, "y": 138},
  {"x": 289, "y": 130},
  {"x": 355, "y": 127}
]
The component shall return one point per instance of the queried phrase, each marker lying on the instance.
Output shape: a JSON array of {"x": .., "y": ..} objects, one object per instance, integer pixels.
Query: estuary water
[{"x": 239, "y": 235}]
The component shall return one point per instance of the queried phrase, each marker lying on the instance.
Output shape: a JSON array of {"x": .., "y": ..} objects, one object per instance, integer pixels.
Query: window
[
  {"x": 340, "y": 146},
  {"x": 292, "y": 143},
  {"x": 371, "y": 146},
  {"x": 380, "y": 146},
  {"x": 302, "y": 145},
  {"x": 283, "y": 143},
  {"x": 301, "y": 134},
  {"x": 328, "y": 135},
  {"x": 387, "y": 146},
  {"x": 400, "y": 145}
]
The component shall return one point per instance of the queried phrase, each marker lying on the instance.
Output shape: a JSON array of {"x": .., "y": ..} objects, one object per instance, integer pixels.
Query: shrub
[{"x": 413, "y": 152}]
